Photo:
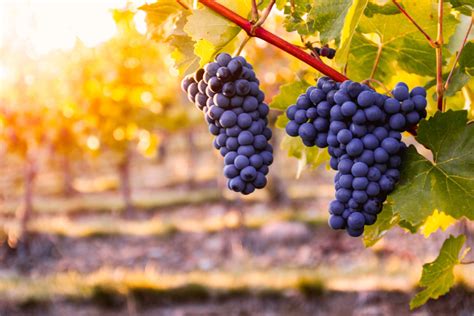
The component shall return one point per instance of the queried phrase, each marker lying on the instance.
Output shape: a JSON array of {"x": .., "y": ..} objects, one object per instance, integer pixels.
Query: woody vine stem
[{"x": 258, "y": 31}]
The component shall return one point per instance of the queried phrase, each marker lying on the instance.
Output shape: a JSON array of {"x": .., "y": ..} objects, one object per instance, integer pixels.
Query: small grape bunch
[
  {"x": 362, "y": 130},
  {"x": 227, "y": 92},
  {"x": 324, "y": 51}
]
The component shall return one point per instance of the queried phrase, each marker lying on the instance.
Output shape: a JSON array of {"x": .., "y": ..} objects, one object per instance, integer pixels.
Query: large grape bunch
[
  {"x": 227, "y": 92},
  {"x": 362, "y": 130}
]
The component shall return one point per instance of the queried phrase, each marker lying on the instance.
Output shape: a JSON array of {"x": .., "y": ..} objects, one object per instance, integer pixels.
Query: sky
[{"x": 46, "y": 25}]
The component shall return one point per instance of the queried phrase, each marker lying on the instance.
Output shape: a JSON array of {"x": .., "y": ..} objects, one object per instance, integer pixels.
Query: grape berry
[
  {"x": 227, "y": 92},
  {"x": 362, "y": 130}
]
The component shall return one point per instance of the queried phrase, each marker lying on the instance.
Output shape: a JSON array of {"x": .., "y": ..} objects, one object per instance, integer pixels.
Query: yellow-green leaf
[
  {"x": 350, "y": 24},
  {"x": 436, "y": 221},
  {"x": 288, "y": 94},
  {"x": 161, "y": 16},
  {"x": 437, "y": 276}
]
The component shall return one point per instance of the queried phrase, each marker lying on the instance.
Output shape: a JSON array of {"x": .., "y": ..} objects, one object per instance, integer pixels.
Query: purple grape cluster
[
  {"x": 227, "y": 92},
  {"x": 362, "y": 130},
  {"x": 325, "y": 51}
]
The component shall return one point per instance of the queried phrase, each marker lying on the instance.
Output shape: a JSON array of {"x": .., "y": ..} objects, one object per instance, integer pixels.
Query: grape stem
[
  {"x": 387, "y": 91},
  {"x": 256, "y": 22},
  {"x": 242, "y": 45},
  {"x": 459, "y": 54},
  {"x": 184, "y": 5},
  {"x": 254, "y": 11},
  {"x": 412, "y": 20},
  {"x": 439, "y": 58},
  {"x": 467, "y": 262},
  {"x": 273, "y": 39},
  {"x": 377, "y": 60},
  {"x": 264, "y": 16}
]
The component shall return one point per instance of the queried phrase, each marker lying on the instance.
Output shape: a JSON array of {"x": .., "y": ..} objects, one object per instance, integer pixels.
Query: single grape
[
  {"x": 336, "y": 207},
  {"x": 359, "y": 169},
  {"x": 356, "y": 220},
  {"x": 366, "y": 98},
  {"x": 307, "y": 131},
  {"x": 401, "y": 93},
  {"x": 228, "y": 119},
  {"x": 355, "y": 147},
  {"x": 248, "y": 173},
  {"x": 348, "y": 108},
  {"x": 336, "y": 222},
  {"x": 344, "y": 136},
  {"x": 397, "y": 122},
  {"x": 418, "y": 91}
]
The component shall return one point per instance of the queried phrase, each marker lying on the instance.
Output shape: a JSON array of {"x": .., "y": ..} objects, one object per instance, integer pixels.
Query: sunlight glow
[
  {"x": 45, "y": 25},
  {"x": 93, "y": 143}
]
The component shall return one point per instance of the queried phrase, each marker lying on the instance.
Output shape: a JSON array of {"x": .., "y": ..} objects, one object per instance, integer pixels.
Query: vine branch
[
  {"x": 273, "y": 39},
  {"x": 439, "y": 58},
  {"x": 458, "y": 54},
  {"x": 412, "y": 20}
]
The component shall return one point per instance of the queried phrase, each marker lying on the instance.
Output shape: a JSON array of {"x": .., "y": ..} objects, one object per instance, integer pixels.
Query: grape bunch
[
  {"x": 362, "y": 130},
  {"x": 227, "y": 92},
  {"x": 325, "y": 51}
]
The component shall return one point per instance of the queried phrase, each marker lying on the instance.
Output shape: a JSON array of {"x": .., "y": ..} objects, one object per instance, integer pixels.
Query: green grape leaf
[
  {"x": 312, "y": 156},
  {"x": 408, "y": 226},
  {"x": 324, "y": 16},
  {"x": 183, "y": 54},
  {"x": 295, "y": 17},
  {"x": 366, "y": 51},
  {"x": 374, "y": 8},
  {"x": 350, "y": 24},
  {"x": 385, "y": 221},
  {"x": 461, "y": 74},
  {"x": 280, "y": 4},
  {"x": 208, "y": 25},
  {"x": 464, "y": 6},
  {"x": 205, "y": 24},
  {"x": 446, "y": 183},
  {"x": 402, "y": 45},
  {"x": 466, "y": 60},
  {"x": 165, "y": 21},
  {"x": 457, "y": 82},
  {"x": 327, "y": 17},
  {"x": 437, "y": 276},
  {"x": 213, "y": 33},
  {"x": 288, "y": 94},
  {"x": 206, "y": 51},
  {"x": 162, "y": 15}
]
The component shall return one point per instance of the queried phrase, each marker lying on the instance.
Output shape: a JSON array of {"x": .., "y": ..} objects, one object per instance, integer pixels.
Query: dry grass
[{"x": 106, "y": 286}]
